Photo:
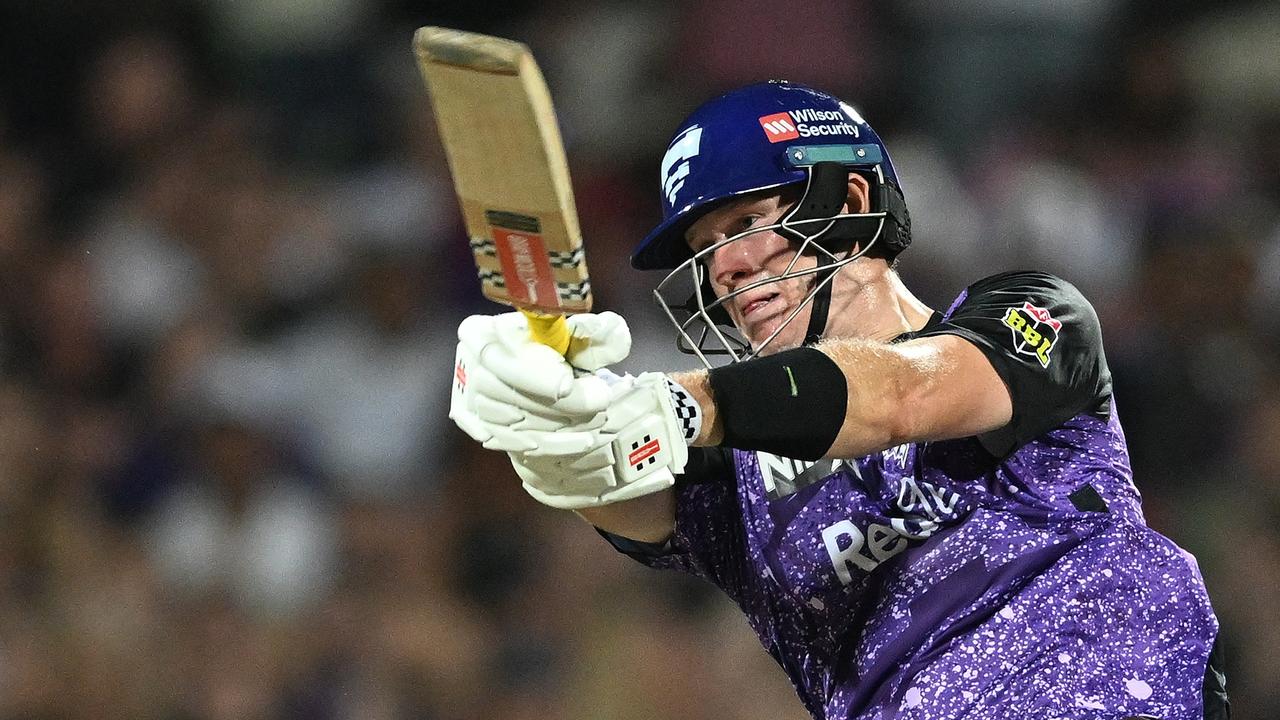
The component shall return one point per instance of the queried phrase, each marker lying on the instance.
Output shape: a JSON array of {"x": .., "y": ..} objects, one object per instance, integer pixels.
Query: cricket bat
[{"x": 499, "y": 132}]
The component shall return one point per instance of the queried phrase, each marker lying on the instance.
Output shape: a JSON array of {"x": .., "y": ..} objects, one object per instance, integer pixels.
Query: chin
[
  {"x": 784, "y": 341},
  {"x": 790, "y": 338}
]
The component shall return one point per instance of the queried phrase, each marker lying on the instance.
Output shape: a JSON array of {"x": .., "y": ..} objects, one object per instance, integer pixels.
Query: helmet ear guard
[
  {"x": 827, "y": 191},
  {"x": 824, "y": 199},
  {"x": 887, "y": 198}
]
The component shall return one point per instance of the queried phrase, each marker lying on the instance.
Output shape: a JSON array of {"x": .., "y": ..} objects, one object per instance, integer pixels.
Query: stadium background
[{"x": 231, "y": 268}]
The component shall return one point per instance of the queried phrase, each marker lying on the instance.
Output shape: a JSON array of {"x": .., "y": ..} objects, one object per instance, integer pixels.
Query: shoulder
[
  {"x": 1033, "y": 309},
  {"x": 1043, "y": 338},
  {"x": 1026, "y": 284}
]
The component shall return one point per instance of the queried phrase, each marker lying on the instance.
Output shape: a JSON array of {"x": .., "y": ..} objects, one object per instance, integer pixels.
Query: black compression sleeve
[
  {"x": 707, "y": 465},
  {"x": 791, "y": 404}
]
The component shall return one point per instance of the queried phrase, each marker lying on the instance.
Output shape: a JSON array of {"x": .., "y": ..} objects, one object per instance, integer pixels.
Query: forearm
[
  {"x": 650, "y": 518},
  {"x": 877, "y": 381}
]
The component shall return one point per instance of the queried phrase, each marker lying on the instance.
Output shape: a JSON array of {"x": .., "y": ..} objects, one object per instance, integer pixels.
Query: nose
[{"x": 735, "y": 261}]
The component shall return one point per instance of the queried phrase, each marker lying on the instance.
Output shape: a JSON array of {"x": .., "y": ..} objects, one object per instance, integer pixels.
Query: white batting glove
[
  {"x": 637, "y": 451},
  {"x": 576, "y": 440},
  {"x": 538, "y": 389}
]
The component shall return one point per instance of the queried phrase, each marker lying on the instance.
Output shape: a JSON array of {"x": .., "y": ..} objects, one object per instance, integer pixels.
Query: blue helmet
[{"x": 759, "y": 137}]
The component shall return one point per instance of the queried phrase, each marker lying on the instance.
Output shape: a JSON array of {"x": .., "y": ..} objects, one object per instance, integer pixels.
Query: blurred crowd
[{"x": 231, "y": 269}]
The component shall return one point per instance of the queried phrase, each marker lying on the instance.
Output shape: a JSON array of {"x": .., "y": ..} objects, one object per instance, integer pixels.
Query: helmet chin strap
[{"x": 821, "y": 303}]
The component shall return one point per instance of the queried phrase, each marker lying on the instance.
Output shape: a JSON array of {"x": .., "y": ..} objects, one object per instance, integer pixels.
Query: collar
[{"x": 935, "y": 319}]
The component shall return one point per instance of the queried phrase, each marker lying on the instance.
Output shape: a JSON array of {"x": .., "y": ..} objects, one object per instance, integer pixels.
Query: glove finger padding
[
  {"x": 594, "y": 491},
  {"x": 499, "y": 417},
  {"x": 536, "y": 435},
  {"x": 585, "y": 398},
  {"x": 502, "y": 379},
  {"x": 575, "y": 484},
  {"x": 566, "y": 482},
  {"x": 640, "y": 441},
  {"x": 563, "y": 442},
  {"x": 533, "y": 378}
]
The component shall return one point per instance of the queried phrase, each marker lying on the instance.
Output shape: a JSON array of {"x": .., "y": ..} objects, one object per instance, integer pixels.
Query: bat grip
[{"x": 549, "y": 330}]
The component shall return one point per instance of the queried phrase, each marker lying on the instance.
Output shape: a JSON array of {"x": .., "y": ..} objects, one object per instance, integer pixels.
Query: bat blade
[{"x": 499, "y": 131}]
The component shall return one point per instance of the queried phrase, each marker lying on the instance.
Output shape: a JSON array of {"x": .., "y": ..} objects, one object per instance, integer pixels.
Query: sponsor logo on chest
[
  {"x": 854, "y": 547},
  {"x": 783, "y": 476},
  {"x": 919, "y": 510}
]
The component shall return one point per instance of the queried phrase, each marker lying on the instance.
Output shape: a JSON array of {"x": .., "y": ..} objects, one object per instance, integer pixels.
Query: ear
[{"x": 859, "y": 194}]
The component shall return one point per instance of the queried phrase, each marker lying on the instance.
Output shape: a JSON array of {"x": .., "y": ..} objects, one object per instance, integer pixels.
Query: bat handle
[{"x": 549, "y": 330}]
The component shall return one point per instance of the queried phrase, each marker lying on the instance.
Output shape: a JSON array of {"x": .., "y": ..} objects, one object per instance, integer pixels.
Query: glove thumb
[{"x": 599, "y": 340}]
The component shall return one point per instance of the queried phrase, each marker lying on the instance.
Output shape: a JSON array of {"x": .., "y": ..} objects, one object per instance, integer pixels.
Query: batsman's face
[{"x": 760, "y": 311}]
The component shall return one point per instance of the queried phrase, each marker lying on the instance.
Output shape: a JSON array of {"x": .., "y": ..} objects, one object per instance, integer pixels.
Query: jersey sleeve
[
  {"x": 708, "y": 528},
  {"x": 1043, "y": 338}
]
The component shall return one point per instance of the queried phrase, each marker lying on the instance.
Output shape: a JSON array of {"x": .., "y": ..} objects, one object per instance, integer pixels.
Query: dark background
[{"x": 231, "y": 268}]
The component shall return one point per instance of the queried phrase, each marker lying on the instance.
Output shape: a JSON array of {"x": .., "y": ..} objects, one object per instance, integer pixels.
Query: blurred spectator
[
  {"x": 366, "y": 393},
  {"x": 240, "y": 523}
]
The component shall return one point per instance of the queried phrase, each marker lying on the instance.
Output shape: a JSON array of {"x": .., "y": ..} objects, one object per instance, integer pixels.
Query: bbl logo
[{"x": 1034, "y": 331}]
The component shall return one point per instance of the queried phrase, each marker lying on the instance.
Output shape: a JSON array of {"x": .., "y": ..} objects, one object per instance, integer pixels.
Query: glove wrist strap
[{"x": 688, "y": 412}]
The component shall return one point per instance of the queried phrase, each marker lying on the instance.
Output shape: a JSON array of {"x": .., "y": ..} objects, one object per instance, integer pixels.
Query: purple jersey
[{"x": 1010, "y": 575}]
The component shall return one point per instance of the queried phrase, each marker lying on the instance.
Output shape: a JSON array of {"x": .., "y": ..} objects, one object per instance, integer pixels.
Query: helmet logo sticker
[
  {"x": 675, "y": 164},
  {"x": 778, "y": 127},
  {"x": 806, "y": 122}
]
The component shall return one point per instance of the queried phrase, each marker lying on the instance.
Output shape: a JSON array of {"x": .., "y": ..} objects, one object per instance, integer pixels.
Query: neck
[{"x": 874, "y": 304}]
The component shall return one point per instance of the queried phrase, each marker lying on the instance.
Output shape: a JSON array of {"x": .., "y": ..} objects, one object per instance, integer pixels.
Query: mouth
[{"x": 757, "y": 305}]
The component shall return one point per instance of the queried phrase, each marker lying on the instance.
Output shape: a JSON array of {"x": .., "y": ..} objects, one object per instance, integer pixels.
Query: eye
[
  {"x": 698, "y": 245},
  {"x": 746, "y": 221}
]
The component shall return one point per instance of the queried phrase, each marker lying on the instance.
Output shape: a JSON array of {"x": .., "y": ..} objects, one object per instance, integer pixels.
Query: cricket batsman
[{"x": 924, "y": 515}]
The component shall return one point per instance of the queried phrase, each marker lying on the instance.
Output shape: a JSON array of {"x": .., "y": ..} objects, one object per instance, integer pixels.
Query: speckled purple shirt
[{"x": 950, "y": 580}]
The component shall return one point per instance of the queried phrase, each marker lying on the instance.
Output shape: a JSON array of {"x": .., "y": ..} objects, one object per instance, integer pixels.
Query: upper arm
[
  {"x": 1042, "y": 338},
  {"x": 950, "y": 390},
  {"x": 1018, "y": 356},
  {"x": 931, "y": 388}
]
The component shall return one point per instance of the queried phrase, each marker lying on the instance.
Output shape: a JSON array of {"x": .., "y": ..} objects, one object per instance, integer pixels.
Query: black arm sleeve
[
  {"x": 707, "y": 465},
  {"x": 1043, "y": 339}
]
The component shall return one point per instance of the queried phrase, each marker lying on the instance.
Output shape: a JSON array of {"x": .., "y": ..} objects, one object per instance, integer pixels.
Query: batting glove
[
  {"x": 576, "y": 440},
  {"x": 505, "y": 384},
  {"x": 637, "y": 451}
]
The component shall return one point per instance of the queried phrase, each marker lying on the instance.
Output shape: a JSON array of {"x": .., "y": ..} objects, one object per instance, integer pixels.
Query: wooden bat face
[{"x": 499, "y": 133}]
